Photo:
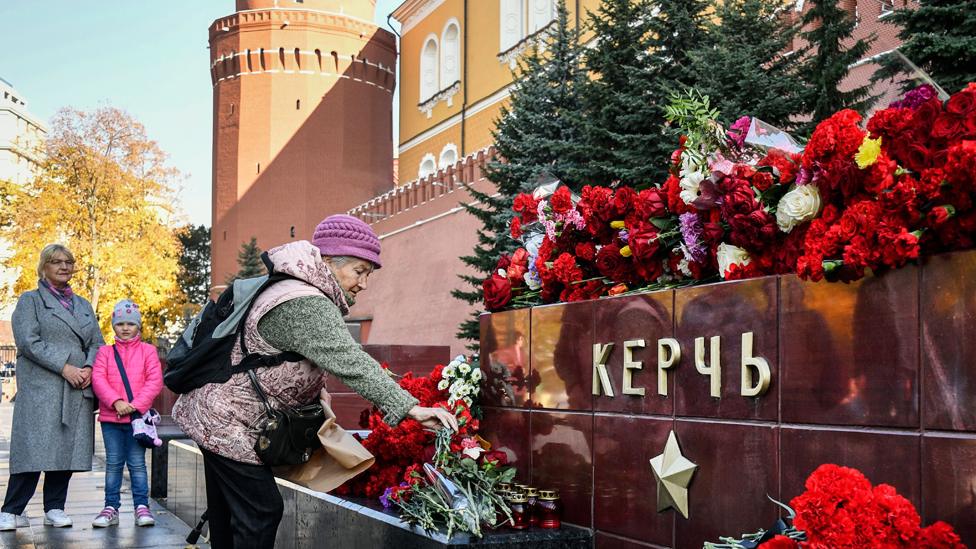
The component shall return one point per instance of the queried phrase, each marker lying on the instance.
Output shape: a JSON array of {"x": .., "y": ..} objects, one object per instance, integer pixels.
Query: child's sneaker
[
  {"x": 108, "y": 517},
  {"x": 144, "y": 516}
]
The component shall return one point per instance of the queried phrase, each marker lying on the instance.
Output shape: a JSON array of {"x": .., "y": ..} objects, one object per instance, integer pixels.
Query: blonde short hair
[{"x": 47, "y": 254}]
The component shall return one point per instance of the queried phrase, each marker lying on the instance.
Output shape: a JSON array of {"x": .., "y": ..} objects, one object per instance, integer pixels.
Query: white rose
[
  {"x": 799, "y": 205},
  {"x": 442, "y": 385},
  {"x": 464, "y": 368},
  {"x": 690, "y": 182},
  {"x": 729, "y": 255}
]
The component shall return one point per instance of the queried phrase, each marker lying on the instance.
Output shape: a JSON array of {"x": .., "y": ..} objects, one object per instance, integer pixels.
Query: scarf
[{"x": 65, "y": 297}]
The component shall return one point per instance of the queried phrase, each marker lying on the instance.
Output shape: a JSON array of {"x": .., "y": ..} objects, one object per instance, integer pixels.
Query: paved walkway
[{"x": 85, "y": 500}]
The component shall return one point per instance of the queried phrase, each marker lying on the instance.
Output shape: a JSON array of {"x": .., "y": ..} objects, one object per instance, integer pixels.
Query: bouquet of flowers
[
  {"x": 437, "y": 480},
  {"x": 840, "y": 509},
  {"x": 462, "y": 380},
  {"x": 750, "y": 201}
]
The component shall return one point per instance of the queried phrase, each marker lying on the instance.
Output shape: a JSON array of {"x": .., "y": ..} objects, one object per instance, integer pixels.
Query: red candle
[
  {"x": 550, "y": 509},
  {"x": 520, "y": 515},
  {"x": 532, "y": 501}
]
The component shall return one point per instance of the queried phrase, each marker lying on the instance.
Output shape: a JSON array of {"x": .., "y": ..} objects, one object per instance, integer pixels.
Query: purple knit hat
[{"x": 347, "y": 235}]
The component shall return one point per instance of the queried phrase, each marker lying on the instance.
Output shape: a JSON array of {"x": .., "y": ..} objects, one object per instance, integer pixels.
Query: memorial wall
[{"x": 761, "y": 381}]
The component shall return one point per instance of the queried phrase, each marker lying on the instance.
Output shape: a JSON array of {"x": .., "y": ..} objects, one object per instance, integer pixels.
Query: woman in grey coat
[{"x": 57, "y": 337}]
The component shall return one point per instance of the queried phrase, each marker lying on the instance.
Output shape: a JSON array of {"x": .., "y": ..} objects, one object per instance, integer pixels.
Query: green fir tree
[
  {"x": 538, "y": 132},
  {"x": 249, "y": 261},
  {"x": 678, "y": 27},
  {"x": 938, "y": 36},
  {"x": 624, "y": 119},
  {"x": 831, "y": 30},
  {"x": 749, "y": 68}
]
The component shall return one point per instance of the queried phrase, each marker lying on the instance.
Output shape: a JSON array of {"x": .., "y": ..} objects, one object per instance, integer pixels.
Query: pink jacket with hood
[{"x": 143, "y": 369}]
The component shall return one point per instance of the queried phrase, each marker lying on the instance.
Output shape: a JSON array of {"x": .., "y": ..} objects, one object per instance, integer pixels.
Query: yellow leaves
[{"x": 100, "y": 192}]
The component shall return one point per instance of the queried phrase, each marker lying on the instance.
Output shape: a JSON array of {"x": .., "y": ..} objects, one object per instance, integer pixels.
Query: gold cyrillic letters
[
  {"x": 601, "y": 379},
  {"x": 668, "y": 354},
  {"x": 749, "y": 362},
  {"x": 715, "y": 370},
  {"x": 629, "y": 366}
]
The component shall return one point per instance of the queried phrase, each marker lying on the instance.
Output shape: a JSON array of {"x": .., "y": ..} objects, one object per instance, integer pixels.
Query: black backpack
[{"x": 207, "y": 359}]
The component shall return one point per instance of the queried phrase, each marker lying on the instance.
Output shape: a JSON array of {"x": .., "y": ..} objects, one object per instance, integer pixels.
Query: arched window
[
  {"x": 511, "y": 21},
  {"x": 427, "y": 166},
  {"x": 449, "y": 156},
  {"x": 428, "y": 69},
  {"x": 541, "y": 13},
  {"x": 450, "y": 54}
]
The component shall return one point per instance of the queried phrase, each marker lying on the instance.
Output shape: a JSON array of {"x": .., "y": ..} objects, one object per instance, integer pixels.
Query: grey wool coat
[{"x": 53, "y": 426}]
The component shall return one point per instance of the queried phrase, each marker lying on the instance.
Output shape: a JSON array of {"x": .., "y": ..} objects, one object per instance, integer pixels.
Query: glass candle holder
[
  {"x": 550, "y": 509},
  {"x": 503, "y": 487},
  {"x": 520, "y": 516},
  {"x": 532, "y": 502}
]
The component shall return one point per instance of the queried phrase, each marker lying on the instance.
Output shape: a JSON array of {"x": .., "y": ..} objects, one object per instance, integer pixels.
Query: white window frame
[
  {"x": 447, "y": 50},
  {"x": 511, "y": 23},
  {"x": 887, "y": 8},
  {"x": 429, "y": 62},
  {"x": 428, "y": 160},
  {"x": 451, "y": 149}
]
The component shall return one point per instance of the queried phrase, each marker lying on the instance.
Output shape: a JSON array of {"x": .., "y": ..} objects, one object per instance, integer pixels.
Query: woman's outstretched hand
[{"x": 433, "y": 418}]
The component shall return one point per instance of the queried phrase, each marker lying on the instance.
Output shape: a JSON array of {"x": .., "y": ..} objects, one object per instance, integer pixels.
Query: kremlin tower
[{"x": 302, "y": 99}]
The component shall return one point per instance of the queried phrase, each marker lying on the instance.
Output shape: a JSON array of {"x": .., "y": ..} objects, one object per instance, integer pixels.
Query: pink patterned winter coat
[{"x": 222, "y": 417}]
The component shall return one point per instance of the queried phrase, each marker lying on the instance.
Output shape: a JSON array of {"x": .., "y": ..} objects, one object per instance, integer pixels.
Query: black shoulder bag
[{"x": 287, "y": 437}]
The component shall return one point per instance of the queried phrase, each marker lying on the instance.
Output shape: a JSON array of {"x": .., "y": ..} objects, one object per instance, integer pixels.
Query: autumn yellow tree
[{"x": 104, "y": 190}]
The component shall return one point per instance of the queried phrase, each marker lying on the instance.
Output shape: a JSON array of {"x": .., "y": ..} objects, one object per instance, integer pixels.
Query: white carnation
[
  {"x": 476, "y": 376},
  {"x": 729, "y": 255},
  {"x": 450, "y": 371},
  {"x": 464, "y": 368},
  {"x": 443, "y": 385},
  {"x": 799, "y": 205}
]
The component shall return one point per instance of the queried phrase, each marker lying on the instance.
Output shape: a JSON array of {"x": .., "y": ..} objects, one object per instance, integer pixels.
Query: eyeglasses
[{"x": 61, "y": 263}]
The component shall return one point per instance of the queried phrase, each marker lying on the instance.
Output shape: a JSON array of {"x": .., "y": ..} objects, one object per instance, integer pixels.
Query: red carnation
[
  {"x": 527, "y": 207},
  {"x": 566, "y": 270},
  {"x": 515, "y": 228},
  {"x": 779, "y": 542},
  {"x": 561, "y": 201},
  {"x": 623, "y": 202},
  {"x": 948, "y": 126},
  {"x": 586, "y": 251}
]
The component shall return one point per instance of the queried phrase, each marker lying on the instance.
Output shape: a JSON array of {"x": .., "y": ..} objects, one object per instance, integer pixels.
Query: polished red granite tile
[
  {"x": 562, "y": 459},
  {"x": 883, "y": 457},
  {"x": 607, "y": 541},
  {"x": 505, "y": 358},
  {"x": 850, "y": 351},
  {"x": 726, "y": 310},
  {"x": 949, "y": 483},
  {"x": 419, "y": 359},
  {"x": 348, "y": 408},
  {"x": 508, "y": 431},
  {"x": 646, "y": 317},
  {"x": 948, "y": 311},
  {"x": 737, "y": 469},
  {"x": 624, "y": 490},
  {"x": 561, "y": 374}
]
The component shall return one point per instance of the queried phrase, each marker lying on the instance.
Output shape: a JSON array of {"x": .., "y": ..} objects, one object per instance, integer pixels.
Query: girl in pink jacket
[{"x": 145, "y": 376}]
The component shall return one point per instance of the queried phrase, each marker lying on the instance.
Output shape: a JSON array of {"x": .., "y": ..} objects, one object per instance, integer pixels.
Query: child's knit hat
[{"x": 126, "y": 311}]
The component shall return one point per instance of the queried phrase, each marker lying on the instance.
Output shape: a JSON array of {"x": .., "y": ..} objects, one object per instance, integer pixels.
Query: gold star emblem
[{"x": 673, "y": 473}]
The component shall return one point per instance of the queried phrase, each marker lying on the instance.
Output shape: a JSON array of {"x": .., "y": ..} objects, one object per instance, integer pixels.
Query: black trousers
[
  {"x": 244, "y": 505},
  {"x": 21, "y": 488}
]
